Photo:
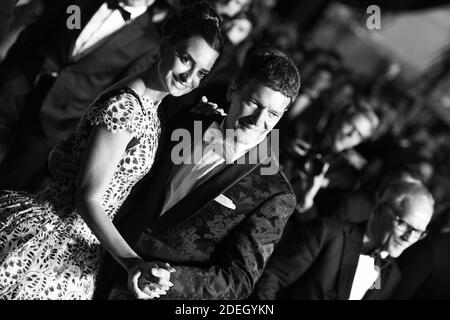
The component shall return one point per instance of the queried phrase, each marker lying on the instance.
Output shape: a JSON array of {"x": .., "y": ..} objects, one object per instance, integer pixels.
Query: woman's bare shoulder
[{"x": 135, "y": 83}]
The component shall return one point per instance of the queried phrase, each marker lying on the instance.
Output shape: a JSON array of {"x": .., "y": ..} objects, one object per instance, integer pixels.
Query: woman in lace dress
[{"x": 51, "y": 243}]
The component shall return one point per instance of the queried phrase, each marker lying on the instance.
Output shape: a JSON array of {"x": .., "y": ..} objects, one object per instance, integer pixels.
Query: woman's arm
[{"x": 103, "y": 153}]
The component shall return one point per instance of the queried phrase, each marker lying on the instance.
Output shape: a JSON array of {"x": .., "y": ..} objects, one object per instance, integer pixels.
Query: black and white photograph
[{"x": 230, "y": 156}]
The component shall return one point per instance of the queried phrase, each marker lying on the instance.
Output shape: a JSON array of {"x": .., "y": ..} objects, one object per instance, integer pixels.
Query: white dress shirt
[
  {"x": 366, "y": 275},
  {"x": 102, "y": 24},
  {"x": 212, "y": 151}
]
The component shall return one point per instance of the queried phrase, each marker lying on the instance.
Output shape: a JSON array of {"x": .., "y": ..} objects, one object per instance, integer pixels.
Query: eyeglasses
[
  {"x": 403, "y": 226},
  {"x": 407, "y": 229}
]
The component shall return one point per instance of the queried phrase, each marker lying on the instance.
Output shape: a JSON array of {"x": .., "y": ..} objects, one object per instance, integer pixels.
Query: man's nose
[
  {"x": 407, "y": 236},
  {"x": 259, "y": 116}
]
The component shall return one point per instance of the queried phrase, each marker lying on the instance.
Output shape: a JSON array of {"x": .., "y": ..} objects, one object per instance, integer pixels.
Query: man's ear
[{"x": 231, "y": 90}]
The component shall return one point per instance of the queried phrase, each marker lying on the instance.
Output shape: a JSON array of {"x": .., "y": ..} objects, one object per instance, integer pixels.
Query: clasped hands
[
  {"x": 150, "y": 280},
  {"x": 146, "y": 280}
]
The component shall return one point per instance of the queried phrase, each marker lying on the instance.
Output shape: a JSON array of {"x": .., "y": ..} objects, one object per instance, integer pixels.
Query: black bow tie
[
  {"x": 114, "y": 4},
  {"x": 379, "y": 261}
]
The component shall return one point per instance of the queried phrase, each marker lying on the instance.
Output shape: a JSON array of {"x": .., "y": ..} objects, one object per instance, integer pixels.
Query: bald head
[
  {"x": 406, "y": 195},
  {"x": 402, "y": 215}
]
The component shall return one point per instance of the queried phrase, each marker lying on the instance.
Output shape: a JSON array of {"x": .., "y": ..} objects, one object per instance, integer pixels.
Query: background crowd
[{"x": 350, "y": 142}]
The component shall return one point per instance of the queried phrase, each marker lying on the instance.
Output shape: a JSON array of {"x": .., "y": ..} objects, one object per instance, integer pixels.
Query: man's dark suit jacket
[
  {"x": 318, "y": 262},
  {"x": 218, "y": 252},
  {"x": 425, "y": 268},
  {"x": 53, "y": 108}
]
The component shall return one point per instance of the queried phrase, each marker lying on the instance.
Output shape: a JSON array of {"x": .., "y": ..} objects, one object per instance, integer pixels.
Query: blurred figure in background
[
  {"x": 239, "y": 28},
  {"x": 16, "y": 19},
  {"x": 7, "y": 11},
  {"x": 315, "y": 86},
  {"x": 53, "y": 72},
  {"x": 319, "y": 159},
  {"x": 230, "y": 8}
]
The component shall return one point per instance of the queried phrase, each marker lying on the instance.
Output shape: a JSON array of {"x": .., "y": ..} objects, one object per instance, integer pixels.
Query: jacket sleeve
[
  {"x": 238, "y": 261},
  {"x": 291, "y": 259}
]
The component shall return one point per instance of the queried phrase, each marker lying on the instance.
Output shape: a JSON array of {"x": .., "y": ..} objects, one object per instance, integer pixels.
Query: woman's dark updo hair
[{"x": 199, "y": 19}]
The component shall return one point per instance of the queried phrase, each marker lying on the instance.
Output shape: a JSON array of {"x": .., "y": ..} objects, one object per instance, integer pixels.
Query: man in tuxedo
[
  {"x": 216, "y": 219},
  {"x": 337, "y": 260},
  {"x": 55, "y": 70}
]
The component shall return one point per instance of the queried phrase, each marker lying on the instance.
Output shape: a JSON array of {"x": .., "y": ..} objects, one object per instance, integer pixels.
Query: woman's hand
[
  {"x": 149, "y": 280},
  {"x": 208, "y": 108}
]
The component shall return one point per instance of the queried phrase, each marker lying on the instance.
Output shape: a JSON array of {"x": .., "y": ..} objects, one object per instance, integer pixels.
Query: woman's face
[
  {"x": 184, "y": 64},
  {"x": 237, "y": 30},
  {"x": 230, "y": 8}
]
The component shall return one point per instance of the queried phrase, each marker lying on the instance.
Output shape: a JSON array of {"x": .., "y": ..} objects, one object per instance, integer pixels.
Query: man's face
[
  {"x": 396, "y": 230},
  {"x": 351, "y": 132},
  {"x": 254, "y": 110}
]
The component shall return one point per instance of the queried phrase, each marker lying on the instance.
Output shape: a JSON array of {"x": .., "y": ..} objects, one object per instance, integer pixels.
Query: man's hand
[
  {"x": 150, "y": 280},
  {"x": 61, "y": 165},
  {"x": 315, "y": 184},
  {"x": 208, "y": 108}
]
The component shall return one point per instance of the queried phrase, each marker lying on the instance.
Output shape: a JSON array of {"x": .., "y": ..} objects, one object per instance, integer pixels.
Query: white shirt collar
[
  {"x": 134, "y": 11},
  {"x": 383, "y": 253}
]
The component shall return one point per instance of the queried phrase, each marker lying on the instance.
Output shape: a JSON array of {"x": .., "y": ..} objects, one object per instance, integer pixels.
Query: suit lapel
[
  {"x": 88, "y": 9},
  {"x": 349, "y": 261},
  {"x": 159, "y": 179},
  {"x": 119, "y": 38},
  {"x": 227, "y": 175},
  {"x": 389, "y": 277},
  {"x": 224, "y": 176}
]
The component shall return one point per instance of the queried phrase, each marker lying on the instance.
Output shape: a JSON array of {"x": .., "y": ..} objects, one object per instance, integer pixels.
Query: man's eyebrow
[
  {"x": 260, "y": 105},
  {"x": 256, "y": 101},
  {"x": 276, "y": 112},
  {"x": 189, "y": 56}
]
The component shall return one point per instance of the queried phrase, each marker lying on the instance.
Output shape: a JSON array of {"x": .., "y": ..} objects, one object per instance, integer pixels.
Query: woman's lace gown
[{"x": 46, "y": 249}]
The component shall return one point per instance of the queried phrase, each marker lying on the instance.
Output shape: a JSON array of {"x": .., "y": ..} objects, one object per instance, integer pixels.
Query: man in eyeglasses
[
  {"x": 400, "y": 219},
  {"x": 331, "y": 259}
]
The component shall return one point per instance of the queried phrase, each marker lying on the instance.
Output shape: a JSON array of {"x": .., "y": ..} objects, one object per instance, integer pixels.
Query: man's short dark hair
[{"x": 273, "y": 69}]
